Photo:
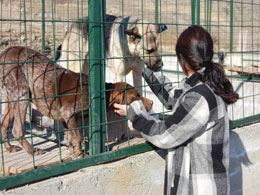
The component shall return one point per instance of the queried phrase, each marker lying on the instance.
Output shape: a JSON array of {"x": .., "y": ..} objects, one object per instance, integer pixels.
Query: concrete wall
[{"x": 144, "y": 173}]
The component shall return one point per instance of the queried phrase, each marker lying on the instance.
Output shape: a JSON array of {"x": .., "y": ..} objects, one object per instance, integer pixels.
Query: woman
[{"x": 197, "y": 133}]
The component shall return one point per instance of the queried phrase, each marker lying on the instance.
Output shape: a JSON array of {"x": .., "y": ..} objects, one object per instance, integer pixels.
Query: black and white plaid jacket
[{"x": 196, "y": 135}]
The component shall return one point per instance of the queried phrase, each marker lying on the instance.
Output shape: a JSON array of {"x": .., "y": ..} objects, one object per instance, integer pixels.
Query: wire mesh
[{"x": 42, "y": 26}]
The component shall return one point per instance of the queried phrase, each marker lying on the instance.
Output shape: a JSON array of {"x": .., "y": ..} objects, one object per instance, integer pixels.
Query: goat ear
[
  {"x": 161, "y": 28},
  {"x": 117, "y": 96},
  {"x": 148, "y": 104}
]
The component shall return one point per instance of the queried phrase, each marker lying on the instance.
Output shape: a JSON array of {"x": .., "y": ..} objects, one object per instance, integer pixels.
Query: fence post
[
  {"x": 156, "y": 11},
  {"x": 209, "y": 10},
  {"x": 195, "y": 11},
  {"x": 231, "y": 26},
  {"x": 43, "y": 27},
  {"x": 103, "y": 73},
  {"x": 96, "y": 77},
  {"x": 198, "y": 12}
]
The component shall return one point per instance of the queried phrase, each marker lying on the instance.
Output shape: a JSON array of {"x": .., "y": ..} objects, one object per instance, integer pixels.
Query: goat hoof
[
  {"x": 75, "y": 155},
  {"x": 13, "y": 149},
  {"x": 38, "y": 151},
  {"x": 123, "y": 137}
]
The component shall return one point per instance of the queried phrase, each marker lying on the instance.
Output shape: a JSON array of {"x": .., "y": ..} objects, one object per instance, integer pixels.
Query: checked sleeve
[
  {"x": 187, "y": 121},
  {"x": 162, "y": 87}
]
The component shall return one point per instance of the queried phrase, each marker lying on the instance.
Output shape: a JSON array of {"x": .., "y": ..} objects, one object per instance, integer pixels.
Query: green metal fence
[{"x": 42, "y": 26}]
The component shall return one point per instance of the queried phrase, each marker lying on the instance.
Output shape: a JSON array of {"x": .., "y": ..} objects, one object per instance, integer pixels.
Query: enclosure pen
[{"x": 43, "y": 26}]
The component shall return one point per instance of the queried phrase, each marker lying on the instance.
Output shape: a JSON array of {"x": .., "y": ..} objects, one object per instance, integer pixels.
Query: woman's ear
[
  {"x": 181, "y": 61},
  {"x": 184, "y": 65}
]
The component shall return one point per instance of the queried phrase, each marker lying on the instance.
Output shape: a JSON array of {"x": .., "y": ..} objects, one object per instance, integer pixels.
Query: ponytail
[{"x": 214, "y": 76}]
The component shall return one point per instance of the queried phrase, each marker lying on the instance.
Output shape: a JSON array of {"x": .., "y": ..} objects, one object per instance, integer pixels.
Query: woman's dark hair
[{"x": 195, "y": 45}]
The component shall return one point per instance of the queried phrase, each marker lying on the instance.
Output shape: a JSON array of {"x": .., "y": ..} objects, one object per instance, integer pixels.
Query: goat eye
[{"x": 138, "y": 36}]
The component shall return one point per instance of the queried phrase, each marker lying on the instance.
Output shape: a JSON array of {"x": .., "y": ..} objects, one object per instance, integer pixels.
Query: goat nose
[{"x": 158, "y": 65}]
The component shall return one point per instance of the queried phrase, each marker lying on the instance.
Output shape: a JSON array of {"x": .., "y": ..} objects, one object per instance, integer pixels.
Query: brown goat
[{"x": 26, "y": 75}]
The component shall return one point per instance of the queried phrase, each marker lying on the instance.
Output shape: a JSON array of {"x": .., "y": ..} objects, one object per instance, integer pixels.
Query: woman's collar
[{"x": 193, "y": 79}]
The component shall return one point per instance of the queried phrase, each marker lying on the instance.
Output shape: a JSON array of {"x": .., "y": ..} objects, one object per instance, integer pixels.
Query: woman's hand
[{"x": 120, "y": 109}]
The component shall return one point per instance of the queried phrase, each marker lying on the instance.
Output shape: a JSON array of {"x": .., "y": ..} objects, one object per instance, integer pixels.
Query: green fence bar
[
  {"x": 231, "y": 26},
  {"x": 209, "y": 11},
  {"x": 244, "y": 121},
  {"x": 43, "y": 27},
  {"x": 198, "y": 12},
  {"x": 193, "y": 13},
  {"x": 103, "y": 42},
  {"x": 96, "y": 113},
  {"x": 156, "y": 11}
]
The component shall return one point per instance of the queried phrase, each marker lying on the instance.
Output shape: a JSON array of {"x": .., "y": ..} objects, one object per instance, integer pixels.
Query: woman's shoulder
[{"x": 202, "y": 90}]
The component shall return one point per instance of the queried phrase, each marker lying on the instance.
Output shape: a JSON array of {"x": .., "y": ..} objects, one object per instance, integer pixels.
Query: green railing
[
  {"x": 226, "y": 20},
  {"x": 97, "y": 101}
]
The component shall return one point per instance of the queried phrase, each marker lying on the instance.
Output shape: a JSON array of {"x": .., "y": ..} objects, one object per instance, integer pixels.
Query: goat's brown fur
[{"x": 26, "y": 75}]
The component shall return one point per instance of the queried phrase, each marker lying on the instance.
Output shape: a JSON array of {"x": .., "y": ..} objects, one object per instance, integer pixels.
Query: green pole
[
  {"x": 208, "y": 18},
  {"x": 156, "y": 11},
  {"x": 198, "y": 12},
  {"x": 103, "y": 87},
  {"x": 95, "y": 77},
  {"x": 231, "y": 26},
  {"x": 193, "y": 13},
  {"x": 210, "y": 7},
  {"x": 43, "y": 27}
]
